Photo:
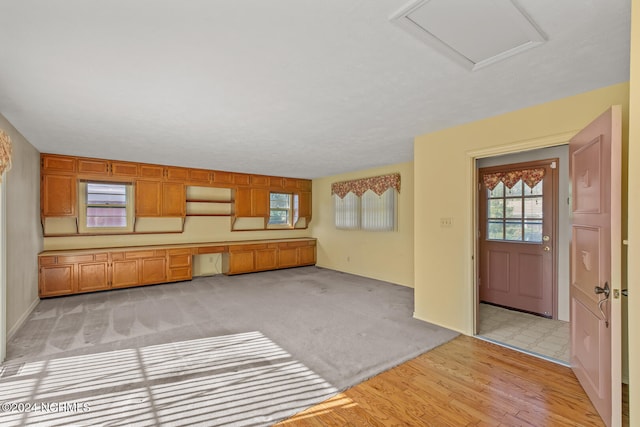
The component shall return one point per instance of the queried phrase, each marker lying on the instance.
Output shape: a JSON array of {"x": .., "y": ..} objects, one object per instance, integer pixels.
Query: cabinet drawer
[
  {"x": 75, "y": 259},
  {"x": 212, "y": 249},
  {"x": 47, "y": 260},
  {"x": 183, "y": 260},
  {"x": 139, "y": 254}
]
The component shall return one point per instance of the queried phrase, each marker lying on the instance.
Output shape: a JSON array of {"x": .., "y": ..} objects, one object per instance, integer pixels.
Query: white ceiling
[{"x": 300, "y": 88}]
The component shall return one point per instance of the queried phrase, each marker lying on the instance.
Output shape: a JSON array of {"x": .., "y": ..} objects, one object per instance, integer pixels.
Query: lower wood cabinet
[
  {"x": 67, "y": 273},
  {"x": 252, "y": 258},
  {"x": 63, "y": 275},
  {"x": 180, "y": 265}
]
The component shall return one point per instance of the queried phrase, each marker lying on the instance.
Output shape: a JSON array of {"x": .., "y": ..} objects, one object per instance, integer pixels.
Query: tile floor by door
[{"x": 545, "y": 337}]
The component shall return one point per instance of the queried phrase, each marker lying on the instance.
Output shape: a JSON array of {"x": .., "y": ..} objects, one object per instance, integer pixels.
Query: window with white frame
[
  {"x": 368, "y": 204},
  {"x": 105, "y": 207},
  {"x": 280, "y": 210}
]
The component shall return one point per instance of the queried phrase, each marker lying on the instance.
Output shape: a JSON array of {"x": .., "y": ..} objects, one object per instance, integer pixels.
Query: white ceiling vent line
[{"x": 471, "y": 32}]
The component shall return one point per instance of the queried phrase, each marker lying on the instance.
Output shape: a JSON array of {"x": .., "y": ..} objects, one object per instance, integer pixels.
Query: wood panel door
[
  {"x": 595, "y": 161},
  {"x": 517, "y": 236},
  {"x": 124, "y": 273},
  {"x": 173, "y": 199},
  {"x": 56, "y": 280},
  {"x": 148, "y": 198},
  {"x": 59, "y": 195},
  {"x": 93, "y": 276}
]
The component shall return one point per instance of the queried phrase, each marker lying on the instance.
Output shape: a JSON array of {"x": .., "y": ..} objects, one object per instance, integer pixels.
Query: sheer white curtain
[
  {"x": 379, "y": 212},
  {"x": 347, "y": 212}
]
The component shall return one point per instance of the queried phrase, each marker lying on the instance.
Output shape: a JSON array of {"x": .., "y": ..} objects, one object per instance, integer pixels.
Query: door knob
[
  {"x": 598, "y": 290},
  {"x": 546, "y": 249},
  {"x": 546, "y": 238}
]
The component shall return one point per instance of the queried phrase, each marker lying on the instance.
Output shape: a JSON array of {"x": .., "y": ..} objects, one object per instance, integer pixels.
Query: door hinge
[{"x": 553, "y": 165}]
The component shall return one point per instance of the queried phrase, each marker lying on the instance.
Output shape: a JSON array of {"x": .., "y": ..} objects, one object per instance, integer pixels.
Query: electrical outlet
[{"x": 446, "y": 222}]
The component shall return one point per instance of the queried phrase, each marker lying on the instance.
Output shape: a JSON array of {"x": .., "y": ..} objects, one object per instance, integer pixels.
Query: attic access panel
[{"x": 471, "y": 32}]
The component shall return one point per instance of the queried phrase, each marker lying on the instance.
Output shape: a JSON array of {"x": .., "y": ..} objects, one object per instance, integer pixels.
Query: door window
[{"x": 515, "y": 214}]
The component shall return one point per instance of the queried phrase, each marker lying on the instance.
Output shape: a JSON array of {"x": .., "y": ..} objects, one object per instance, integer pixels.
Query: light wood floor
[{"x": 465, "y": 382}]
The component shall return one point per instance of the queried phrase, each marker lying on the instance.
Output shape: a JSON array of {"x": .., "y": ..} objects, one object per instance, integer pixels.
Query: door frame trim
[
  {"x": 473, "y": 197},
  {"x": 554, "y": 217}
]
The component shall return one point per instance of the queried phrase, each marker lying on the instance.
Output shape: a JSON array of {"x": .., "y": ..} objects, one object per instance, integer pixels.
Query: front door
[
  {"x": 595, "y": 162},
  {"x": 517, "y": 235}
]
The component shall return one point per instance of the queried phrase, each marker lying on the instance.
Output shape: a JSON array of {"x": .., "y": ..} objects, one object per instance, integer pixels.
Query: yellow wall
[
  {"x": 23, "y": 239},
  {"x": 380, "y": 255},
  {"x": 443, "y": 165},
  {"x": 634, "y": 217},
  {"x": 197, "y": 229}
]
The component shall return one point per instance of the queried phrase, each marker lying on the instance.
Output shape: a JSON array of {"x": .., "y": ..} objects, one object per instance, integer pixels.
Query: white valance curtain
[{"x": 367, "y": 203}]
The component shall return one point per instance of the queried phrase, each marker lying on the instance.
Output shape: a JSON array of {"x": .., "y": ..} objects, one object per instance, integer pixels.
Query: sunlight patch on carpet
[{"x": 241, "y": 379}]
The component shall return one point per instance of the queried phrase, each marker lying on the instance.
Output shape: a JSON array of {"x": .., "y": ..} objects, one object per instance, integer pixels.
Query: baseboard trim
[
  {"x": 441, "y": 325},
  {"x": 22, "y": 319}
]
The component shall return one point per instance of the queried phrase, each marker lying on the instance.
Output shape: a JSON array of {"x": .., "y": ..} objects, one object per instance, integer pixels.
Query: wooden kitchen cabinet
[
  {"x": 56, "y": 279},
  {"x": 153, "y": 270},
  {"x": 304, "y": 205},
  {"x": 93, "y": 275},
  {"x": 297, "y": 253},
  {"x": 68, "y": 274},
  {"x": 174, "y": 199},
  {"x": 179, "y": 265},
  {"x": 148, "y": 198},
  {"x": 252, "y": 202},
  {"x": 59, "y": 195},
  {"x": 266, "y": 258},
  {"x": 157, "y": 198},
  {"x": 241, "y": 259}
]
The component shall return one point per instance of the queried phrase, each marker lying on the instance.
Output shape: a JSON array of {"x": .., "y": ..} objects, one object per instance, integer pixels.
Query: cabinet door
[
  {"x": 307, "y": 255},
  {"x": 199, "y": 176},
  {"x": 124, "y": 273},
  {"x": 93, "y": 167},
  {"x": 151, "y": 171},
  {"x": 176, "y": 174},
  {"x": 220, "y": 177},
  {"x": 266, "y": 259},
  {"x": 59, "y": 195},
  {"x": 241, "y": 262},
  {"x": 153, "y": 270},
  {"x": 148, "y": 196},
  {"x": 260, "y": 202},
  {"x": 93, "y": 276},
  {"x": 51, "y": 162},
  {"x": 304, "y": 205},
  {"x": 174, "y": 200},
  {"x": 243, "y": 202},
  {"x": 56, "y": 280},
  {"x": 124, "y": 169},
  {"x": 288, "y": 257}
]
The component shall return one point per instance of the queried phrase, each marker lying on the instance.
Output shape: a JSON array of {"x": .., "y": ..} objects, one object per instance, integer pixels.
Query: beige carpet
[
  {"x": 544, "y": 337},
  {"x": 246, "y": 350}
]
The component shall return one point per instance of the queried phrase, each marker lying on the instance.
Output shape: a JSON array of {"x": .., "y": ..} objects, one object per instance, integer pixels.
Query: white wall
[
  {"x": 23, "y": 237},
  {"x": 564, "y": 222}
]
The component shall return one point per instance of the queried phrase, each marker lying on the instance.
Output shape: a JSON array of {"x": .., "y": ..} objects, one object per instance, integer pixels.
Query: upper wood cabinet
[
  {"x": 157, "y": 198},
  {"x": 252, "y": 202},
  {"x": 56, "y": 164},
  {"x": 160, "y": 190},
  {"x": 304, "y": 205},
  {"x": 106, "y": 168},
  {"x": 58, "y": 195},
  {"x": 174, "y": 201}
]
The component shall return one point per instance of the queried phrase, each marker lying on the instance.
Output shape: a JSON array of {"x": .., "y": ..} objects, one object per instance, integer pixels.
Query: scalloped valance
[
  {"x": 5, "y": 153},
  {"x": 531, "y": 177},
  {"x": 377, "y": 184}
]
